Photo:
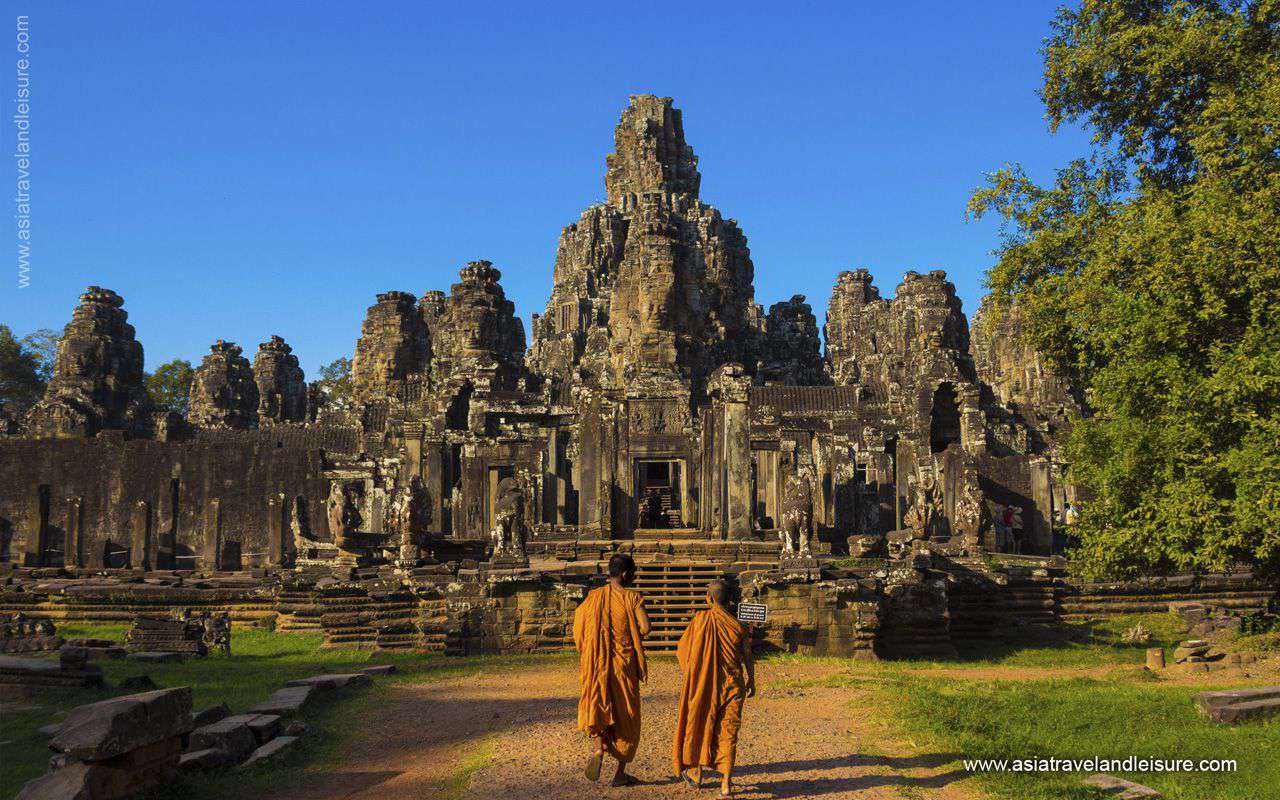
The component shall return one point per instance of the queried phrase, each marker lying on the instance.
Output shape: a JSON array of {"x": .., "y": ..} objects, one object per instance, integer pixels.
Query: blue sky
[{"x": 237, "y": 170}]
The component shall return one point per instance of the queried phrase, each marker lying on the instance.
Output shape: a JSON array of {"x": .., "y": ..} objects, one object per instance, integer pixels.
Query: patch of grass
[
  {"x": 261, "y": 662},
  {"x": 470, "y": 764},
  {"x": 1082, "y": 718}
]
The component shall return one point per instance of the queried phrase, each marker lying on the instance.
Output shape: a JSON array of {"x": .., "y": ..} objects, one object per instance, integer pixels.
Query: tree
[
  {"x": 43, "y": 344},
  {"x": 335, "y": 384},
  {"x": 20, "y": 382},
  {"x": 1149, "y": 273},
  {"x": 169, "y": 387}
]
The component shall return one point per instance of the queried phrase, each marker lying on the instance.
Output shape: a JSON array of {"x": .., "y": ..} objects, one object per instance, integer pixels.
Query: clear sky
[{"x": 238, "y": 169}]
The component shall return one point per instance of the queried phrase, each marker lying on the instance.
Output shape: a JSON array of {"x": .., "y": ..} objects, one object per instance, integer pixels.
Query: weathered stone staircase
[{"x": 673, "y": 591}]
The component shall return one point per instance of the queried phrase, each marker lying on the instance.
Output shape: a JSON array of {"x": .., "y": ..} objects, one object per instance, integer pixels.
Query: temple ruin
[{"x": 477, "y": 482}]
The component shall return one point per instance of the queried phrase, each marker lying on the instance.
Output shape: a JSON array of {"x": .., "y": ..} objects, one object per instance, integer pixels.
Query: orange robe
[
  {"x": 711, "y": 697},
  {"x": 611, "y": 666}
]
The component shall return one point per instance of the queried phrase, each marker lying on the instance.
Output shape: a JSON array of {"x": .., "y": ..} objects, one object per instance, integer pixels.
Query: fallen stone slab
[
  {"x": 232, "y": 736},
  {"x": 109, "y": 728},
  {"x": 1125, "y": 790},
  {"x": 289, "y": 700},
  {"x": 157, "y": 657},
  {"x": 1234, "y": 706},
  {"x": 271, "y": 749},
  {"x": 210, "y": 715},
  {"x": 209, "y": 758},
  {"x": 264, "y": 726},
  {"x": 327, "y": 682},
  {"x": 380, "y": 669}
]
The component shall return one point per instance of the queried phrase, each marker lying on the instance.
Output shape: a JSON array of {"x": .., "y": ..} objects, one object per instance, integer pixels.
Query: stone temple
[{"x": 478, "y": 480}]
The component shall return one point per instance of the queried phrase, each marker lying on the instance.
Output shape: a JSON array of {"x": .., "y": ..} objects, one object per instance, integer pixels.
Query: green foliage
[
  {"x": 169, "y": 387},
  {"x": 20, "y": 382},
  {"x": 335, "y": 384},
  {"x": 1149, "y": 274},
  {"x": 43, "y": 344}
]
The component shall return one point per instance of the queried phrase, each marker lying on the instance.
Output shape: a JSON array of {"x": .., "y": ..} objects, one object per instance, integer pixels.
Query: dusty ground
[{"x": 516, "y": 728}]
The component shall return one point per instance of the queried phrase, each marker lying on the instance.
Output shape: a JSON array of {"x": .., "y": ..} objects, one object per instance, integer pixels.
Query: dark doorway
[
  {"x": 459, "y": 410},
  {"x": 944, "y": 419},
  {"x": 658, "y": 493},
  {"x": 229, "y": 558},
  {"x": 114, "y": 556}
]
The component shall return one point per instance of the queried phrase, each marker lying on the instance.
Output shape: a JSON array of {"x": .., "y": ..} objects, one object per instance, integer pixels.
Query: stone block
[
  {"x": 285, "y": 701},
  {"x": 1240, "y": 705},
  {"x": 232, "y": 736},
  {"x": 110, "y": 728},
  {"x": 208, "y": 758},
  {"x": 155, "y": 657},
  {"x": 379, "y": 669},
  {"x": 210, "y": 715},
  {"x": 1121, "y": 788},
  {"x": 326, "y": 682},
  {"x": 271, "y": 749}
]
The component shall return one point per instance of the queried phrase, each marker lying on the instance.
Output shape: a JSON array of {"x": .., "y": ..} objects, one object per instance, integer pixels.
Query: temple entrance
[
  {"x": 658, "y": 493},
  {"x": 496, "y": 476},
  {"x": 944, "y": 419}
]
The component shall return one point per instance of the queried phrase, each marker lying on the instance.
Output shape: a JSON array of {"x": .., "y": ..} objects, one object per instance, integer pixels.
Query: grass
[
  {"x": 1081, "y": 718},
  {"x": 262, "y": 662}
]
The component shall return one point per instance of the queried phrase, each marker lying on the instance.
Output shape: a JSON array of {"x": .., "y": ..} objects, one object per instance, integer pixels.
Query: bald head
[{"x": 718, "y": 591}]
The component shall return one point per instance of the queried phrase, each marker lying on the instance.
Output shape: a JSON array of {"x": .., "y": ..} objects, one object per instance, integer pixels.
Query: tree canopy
[
  {"x": 20, "y": 382},
  {"x": 335, "y": 384},
  {"x": 1149, "y": 273},
  {"x": 169, "y": 387}
]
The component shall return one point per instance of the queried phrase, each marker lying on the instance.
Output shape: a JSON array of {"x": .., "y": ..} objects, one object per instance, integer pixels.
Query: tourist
[
  {"x": 608, "y": 630},
  {"x": 715, "y": 659}
]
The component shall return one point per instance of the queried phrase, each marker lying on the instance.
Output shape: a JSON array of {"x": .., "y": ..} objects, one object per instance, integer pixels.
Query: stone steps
[{"x": 673, "y": 591}]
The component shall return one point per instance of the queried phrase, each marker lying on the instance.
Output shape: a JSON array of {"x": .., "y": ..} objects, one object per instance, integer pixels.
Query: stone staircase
[{"x": 673, "y": 591}]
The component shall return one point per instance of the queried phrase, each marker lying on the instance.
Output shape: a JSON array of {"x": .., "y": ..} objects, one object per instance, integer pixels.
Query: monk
[
  {"x": 608, "y": 630},
  {"x": 715, "y": 659}
]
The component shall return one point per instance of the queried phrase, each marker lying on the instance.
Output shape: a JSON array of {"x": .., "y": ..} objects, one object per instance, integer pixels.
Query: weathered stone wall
[
  {"x": 110, "y": 502},
  {"x": 841, "y": 617}
]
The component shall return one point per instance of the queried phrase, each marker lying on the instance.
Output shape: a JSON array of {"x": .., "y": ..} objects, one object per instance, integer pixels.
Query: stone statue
[
  {"x": 343, "y": 515},
  {"x": 508, "y": 524},
  {"x": 408, "y": 515},
  {"x": 797, "y": 513}
]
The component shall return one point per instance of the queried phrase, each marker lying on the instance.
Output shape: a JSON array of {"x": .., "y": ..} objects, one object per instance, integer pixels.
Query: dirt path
[{"x": 514, "y": 732}]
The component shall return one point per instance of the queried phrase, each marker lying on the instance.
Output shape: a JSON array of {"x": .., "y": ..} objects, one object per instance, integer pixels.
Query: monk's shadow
[
  {"x": 814, "y": 787},
  {"x": 811, "y": 787},
  {"x": 923, "y": 761}
]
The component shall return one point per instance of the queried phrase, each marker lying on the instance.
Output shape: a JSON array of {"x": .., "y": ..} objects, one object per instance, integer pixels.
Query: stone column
[
  {"x": 34, "y": 531},
  {"x": 729, "y": 387},
  {"x": 277, "y": 529},
  {"x": 212, "y": 533},
  {"x": 140, "y": 536},
  {"x": 73, "y": 543}
]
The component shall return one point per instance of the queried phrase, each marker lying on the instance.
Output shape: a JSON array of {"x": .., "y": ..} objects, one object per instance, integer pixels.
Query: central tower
[{"x": 653, "y": 289}]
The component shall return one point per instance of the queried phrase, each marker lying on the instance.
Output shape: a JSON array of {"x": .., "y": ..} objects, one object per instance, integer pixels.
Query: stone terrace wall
[{"x": 825, "y": 618}]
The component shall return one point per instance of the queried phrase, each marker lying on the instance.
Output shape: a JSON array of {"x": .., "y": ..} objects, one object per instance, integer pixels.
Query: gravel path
[{"x": 516, "y": 727}]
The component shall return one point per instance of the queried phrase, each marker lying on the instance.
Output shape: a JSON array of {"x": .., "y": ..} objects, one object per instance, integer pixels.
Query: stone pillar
[
  {"x": 212, "y": 533},
  {"x": 1037, "y": 524},
  {"x": 140, "y": 536},
  {"x": 34, "y": 530},
  {"x": 73, "y": 544},
  {"x": 589, "y": 467},
  {"x": 277, "y": 530},
  {"x": 433, "y": 479},
  {"x": 729, "y": 387}
]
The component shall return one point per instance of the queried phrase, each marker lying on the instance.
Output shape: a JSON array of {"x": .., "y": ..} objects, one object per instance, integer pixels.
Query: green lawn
[
  {"x": 261, "y": 663},
  {"x": 1083, "y": 717}
]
